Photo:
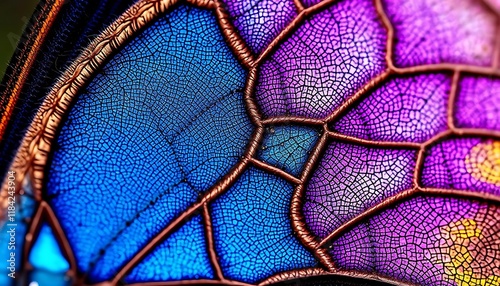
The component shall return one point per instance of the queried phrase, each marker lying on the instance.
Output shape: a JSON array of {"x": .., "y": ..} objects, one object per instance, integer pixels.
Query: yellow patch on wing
[
  {"x": 458, "y": 254},
  {"x": 483, "y": 162}
]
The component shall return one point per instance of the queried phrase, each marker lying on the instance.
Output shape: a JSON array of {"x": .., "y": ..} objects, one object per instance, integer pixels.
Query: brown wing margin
[{"x": 45, "y": 16}]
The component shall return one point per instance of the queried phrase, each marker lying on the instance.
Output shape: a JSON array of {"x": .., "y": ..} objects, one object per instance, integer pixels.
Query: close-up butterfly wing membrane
[{"x": 247, "y": 142}]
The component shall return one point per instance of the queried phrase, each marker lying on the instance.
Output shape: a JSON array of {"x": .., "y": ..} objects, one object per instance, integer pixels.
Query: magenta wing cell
[
  {"x": 404, "y": 109},
  {"x": 427, "y": 241},
  {"x": 328, "y": 58},
  {"x": 448, "y": 31},
  {"x": 478, "y": 103},
  {"x": 259, "y": 22},
  {"x": 350, "y": 179}
]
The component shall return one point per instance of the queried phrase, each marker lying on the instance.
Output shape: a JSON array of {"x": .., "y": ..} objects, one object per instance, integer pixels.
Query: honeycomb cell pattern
[{"x": 289, "y": 139}]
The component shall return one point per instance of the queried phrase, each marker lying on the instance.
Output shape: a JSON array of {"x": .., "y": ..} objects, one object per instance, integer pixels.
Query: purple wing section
[
  {"x": 328, "y": 58},
  {"x": 466, "y": 164},
  {"x": 446, "y": 31},
  {"x": 478, "y": 103},
  {"x": 427, "y": 241},
  {"x": 352, "y": 178},
  {"x": 260, "y": 21},
  {"x": 405, "y": 109}
]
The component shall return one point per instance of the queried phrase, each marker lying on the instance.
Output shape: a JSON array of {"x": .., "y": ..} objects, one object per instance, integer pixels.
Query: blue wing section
[
  {"x": 162, "y": 122},
  {"x": 252, "y": 231},
  {"x": 49, "y": 264},
  {"x": 46, "y": 254},
  {"x": 182, "y": 256},
  {"x": 288, "y": 147}
]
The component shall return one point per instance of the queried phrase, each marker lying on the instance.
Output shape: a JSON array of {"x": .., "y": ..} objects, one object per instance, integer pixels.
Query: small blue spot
[
  {"x": 46, "y": 253},
  {"x": 288, "y": 147}
]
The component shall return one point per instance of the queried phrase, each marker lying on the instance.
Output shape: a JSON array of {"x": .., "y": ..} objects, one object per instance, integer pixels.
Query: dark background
[{"x": 14, "y": 16}]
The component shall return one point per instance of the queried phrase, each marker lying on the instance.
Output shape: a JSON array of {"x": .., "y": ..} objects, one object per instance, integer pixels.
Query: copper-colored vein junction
[
  {"x": 298, "y": 5},
  {"x": 220, "y": 187},
  {"x": 31, "y": 160}
]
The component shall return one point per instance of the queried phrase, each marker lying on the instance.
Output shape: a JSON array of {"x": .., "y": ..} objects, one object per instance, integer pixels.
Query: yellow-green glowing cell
[
  {"x": 483, "y": 162},
  {"x": 462, "y": 247}
]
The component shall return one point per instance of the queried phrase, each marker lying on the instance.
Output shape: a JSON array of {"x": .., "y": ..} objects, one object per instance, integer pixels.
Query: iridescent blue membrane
[
  {"x": 160, "y": 124},
  {"x": 182, "y": 256},
  {"x": 49, "y": 264},
  {"x": 288, "y": 147},
  {"x": 252, "y": 231},
  {"x": 46, "y": 254}
]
